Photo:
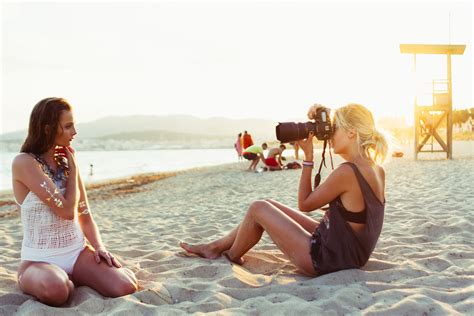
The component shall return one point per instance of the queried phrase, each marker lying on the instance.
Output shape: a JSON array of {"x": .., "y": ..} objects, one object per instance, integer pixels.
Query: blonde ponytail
[{"x": 377, "y": 147}]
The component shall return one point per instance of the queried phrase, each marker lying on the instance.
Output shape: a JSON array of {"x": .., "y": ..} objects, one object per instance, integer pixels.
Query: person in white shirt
[{"x": 61, "y": 246}]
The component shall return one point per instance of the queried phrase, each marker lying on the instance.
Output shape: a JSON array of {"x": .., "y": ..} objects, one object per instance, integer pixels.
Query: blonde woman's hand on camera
[
  {"x": 313, "y": 110},
  {"x": 307, "y": 146}
]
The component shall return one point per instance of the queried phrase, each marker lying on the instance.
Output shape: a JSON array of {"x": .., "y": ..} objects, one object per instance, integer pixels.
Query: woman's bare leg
[
  {"x": 108, "y": 281},
  {"x": 292, "y": 239},
  {"x": 47, "y": 282},
  {"x": 301, "y": 218},
  {"x": 215, "y": 248}
]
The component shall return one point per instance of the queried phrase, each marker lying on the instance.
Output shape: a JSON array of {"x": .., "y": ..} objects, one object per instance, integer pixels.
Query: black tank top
[
  {"x": 336, "y": 245},
  {"x": 359, "y": 217}
]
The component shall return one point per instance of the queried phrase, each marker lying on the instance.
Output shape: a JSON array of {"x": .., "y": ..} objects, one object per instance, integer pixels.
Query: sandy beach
[{"x": 423, "y": 262}]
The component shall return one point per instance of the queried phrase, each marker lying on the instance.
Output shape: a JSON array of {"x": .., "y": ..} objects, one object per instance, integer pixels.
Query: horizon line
[{"x": 197, "y": 117}]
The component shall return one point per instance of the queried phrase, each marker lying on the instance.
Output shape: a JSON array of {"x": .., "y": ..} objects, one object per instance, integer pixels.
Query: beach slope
[{"x": 423, "y": 262}]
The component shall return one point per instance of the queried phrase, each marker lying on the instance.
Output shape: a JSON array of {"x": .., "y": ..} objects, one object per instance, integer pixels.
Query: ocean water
[{"x": 116, "y": 164}]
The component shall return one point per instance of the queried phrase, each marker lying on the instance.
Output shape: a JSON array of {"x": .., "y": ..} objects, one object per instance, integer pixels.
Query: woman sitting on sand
[
  {"x": 56, "y": 217},
  {"x": 348, "y": 231}
]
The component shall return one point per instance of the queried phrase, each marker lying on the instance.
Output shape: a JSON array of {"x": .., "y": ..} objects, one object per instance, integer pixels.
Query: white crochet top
[{"x": 42, "y": 228}]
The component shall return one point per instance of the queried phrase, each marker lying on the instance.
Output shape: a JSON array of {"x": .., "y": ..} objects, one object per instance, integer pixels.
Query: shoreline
[
  {"x": 108, "y": 188},
  {"x": 461, "y": 149},
  {"x": 100, "y": 166}
]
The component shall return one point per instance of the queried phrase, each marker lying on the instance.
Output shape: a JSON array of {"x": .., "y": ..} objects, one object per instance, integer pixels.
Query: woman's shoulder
[
  {"x": 23, "y": 160},
  {"x": 342, "y": 173},
  {"x": 344, "y": 169},
  {"x": 380, "y": 171},
  {"x": 349, "y": 171},
  {"x": 365, "y": 168}
]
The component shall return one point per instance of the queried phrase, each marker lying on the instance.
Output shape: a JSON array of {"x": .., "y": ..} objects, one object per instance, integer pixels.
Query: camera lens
[{"x": 290, "y": 131}]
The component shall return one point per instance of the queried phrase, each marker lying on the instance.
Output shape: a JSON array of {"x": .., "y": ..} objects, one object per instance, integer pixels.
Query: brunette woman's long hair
[{"x": 43, "y": 127}]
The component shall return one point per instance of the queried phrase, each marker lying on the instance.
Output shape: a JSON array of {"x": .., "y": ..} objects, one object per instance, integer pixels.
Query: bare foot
[
  {"x": 202, "y": 250},
  {"x": 240, "y": 261}
]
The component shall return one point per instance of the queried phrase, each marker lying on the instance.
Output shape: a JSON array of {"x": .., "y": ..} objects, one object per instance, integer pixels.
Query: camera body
[{"x": 321, "y": 127}]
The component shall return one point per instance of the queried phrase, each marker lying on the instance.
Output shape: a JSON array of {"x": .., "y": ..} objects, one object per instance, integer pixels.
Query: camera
[{"x": 321, "y": 127}]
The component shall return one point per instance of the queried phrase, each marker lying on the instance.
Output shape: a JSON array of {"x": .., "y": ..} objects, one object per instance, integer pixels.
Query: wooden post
[
  {"x": 449, "y": 125},
  {"x": 417, "y": 115}
]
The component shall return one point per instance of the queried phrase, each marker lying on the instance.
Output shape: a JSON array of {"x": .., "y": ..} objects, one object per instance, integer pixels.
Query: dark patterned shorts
[
  {"x": 315, "y": 247},
  {"x": 250, "y": 156}
]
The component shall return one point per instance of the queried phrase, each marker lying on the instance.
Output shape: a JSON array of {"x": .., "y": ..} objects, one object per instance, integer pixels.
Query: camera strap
[
  {"x": 317, "y": 177},
  {"x": 330, "y": 155}
]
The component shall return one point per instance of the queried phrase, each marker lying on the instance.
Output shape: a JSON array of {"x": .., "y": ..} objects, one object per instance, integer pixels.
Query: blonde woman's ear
[{"x": 351, "y": 133}]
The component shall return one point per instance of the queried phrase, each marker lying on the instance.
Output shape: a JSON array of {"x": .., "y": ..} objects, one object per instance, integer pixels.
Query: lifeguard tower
[{"x": 428, "y": 118}]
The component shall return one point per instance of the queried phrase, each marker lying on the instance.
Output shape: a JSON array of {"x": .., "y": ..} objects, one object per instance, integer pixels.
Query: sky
[{"x": 266, "y": 59}]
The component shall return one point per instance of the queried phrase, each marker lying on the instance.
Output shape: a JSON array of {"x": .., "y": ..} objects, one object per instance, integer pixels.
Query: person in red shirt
[{"x": 248, "y": 141}]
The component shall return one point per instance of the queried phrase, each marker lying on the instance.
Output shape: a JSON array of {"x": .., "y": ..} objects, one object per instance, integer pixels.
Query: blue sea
[{"x": 103, "y": 165}]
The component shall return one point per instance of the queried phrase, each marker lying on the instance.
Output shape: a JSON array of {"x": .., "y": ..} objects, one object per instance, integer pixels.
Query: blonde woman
[
  {"x": 56, "y": 217},
  {"x": 355, "y": 191}
]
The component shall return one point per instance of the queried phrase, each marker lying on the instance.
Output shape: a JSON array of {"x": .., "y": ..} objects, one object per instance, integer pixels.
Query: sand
[{"x": 423, "y": 262}]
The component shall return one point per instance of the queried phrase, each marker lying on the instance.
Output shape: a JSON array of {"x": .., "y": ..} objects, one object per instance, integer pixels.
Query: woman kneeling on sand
[
  {"x": 348, "y": 231},
  {"x": 56, "y": 217}
]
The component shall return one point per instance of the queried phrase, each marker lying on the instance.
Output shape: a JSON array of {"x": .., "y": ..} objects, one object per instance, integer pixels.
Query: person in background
[
  {"x": 247, "y": 140},
  {"x": 297, "y": 149},
  {"x": 273, "y": 160},
  {"x": 254, "y": 153},
  {"x": 62, "y": 246},
  {"x": 238, "y": 146}
]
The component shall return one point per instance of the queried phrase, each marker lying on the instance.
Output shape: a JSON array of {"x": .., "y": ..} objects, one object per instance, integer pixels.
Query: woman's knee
[
  {"x": 271, "y": 201},
  {"x": 131, "y": 275},
  {"x": 123, "y": 286},
  {"x": 55, "y": 291},
  {"x": 257, "y": 207}
]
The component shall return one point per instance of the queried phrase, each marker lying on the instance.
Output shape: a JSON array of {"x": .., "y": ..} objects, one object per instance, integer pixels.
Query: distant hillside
[
  {"x": 159, "y": 136},
  {"x": 157, "y": 132},
  {"x": 183, "y": 124}
]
